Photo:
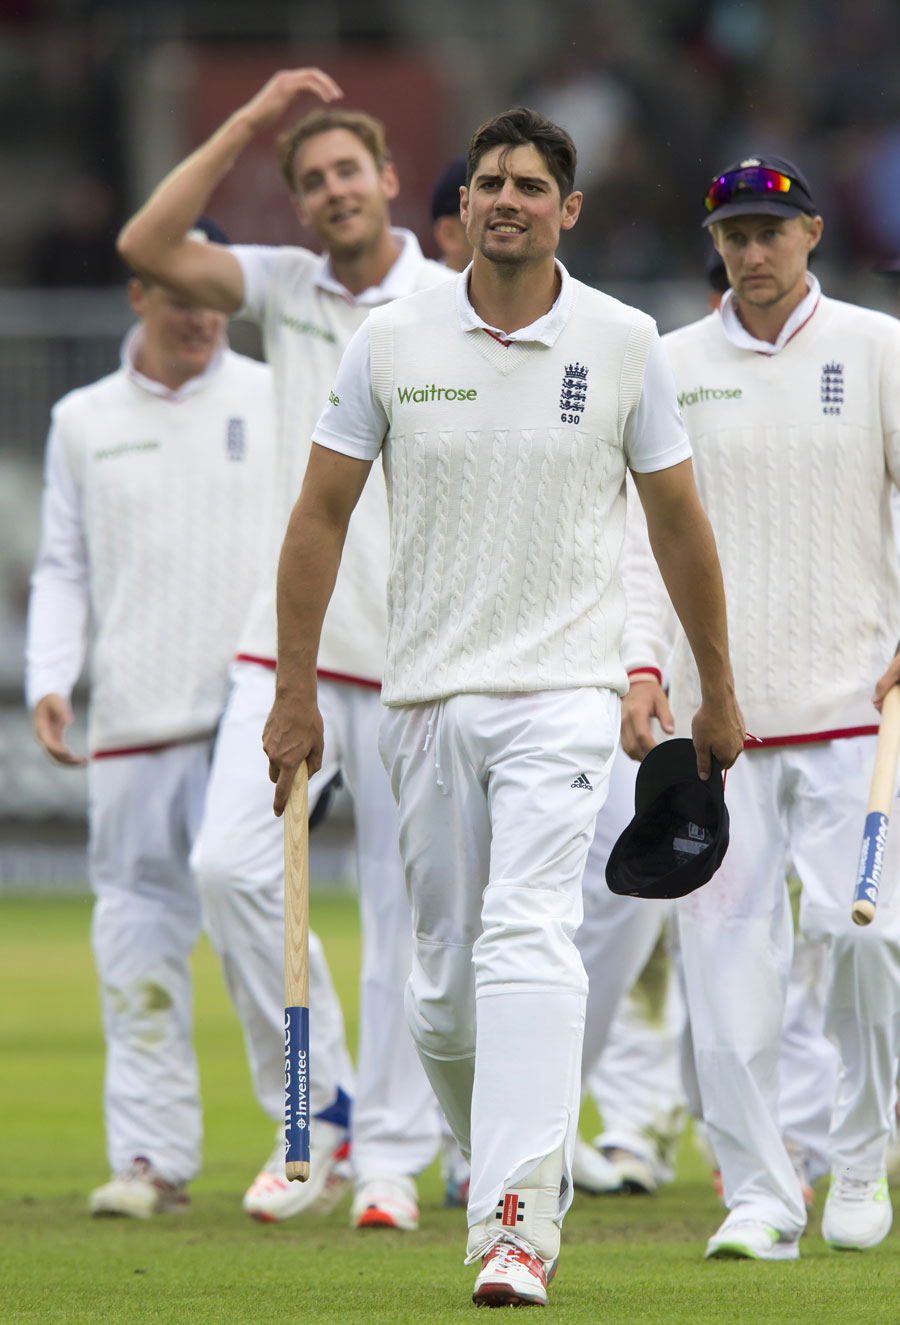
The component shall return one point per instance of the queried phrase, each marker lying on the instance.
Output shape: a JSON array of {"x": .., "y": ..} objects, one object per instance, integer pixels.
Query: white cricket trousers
[
  {"x": 498, "y": 795},
  {"x": 239, "y": 865},
  {"x": 736, "y": 937},
  {"x": 143, "y": 813}
]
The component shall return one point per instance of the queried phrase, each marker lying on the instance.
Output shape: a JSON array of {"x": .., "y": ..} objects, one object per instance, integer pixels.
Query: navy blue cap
[
  {"x": 746, "y": 193},
  {"x": 445, "y": 198},
  {"x": 214, "y": 232},
  {"x": 679, "y": 834}
]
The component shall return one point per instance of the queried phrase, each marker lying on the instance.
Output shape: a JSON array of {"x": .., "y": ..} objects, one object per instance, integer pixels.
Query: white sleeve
[
  {"x": 256, "y": 261},
  {"x": 353, "y": 422},
  {"x": 58, "y": 606},
  {"x": 650, "y": 621},
  {"x": 654, "y": 434}
]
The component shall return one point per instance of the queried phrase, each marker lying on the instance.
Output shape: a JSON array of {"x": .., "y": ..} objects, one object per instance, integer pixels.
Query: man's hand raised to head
[
  {"x": 283, "y": 88},
  {"x": 293, "y": 732},
  {"x": 156, "y": 241}
]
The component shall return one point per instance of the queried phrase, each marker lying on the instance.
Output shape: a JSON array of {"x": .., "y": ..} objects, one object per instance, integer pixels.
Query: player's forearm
[
  {"x": 154, "y": 241},
  {"x": 307, "y": 570}
]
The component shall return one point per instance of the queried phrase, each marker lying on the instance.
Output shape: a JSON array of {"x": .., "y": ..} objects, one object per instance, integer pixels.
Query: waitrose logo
[
  {"x": 417, "y": 395},
  {"x": 308, "y": 329},
  {"x": 125, "y": 448},
  {"x": 701, "y": 393}
]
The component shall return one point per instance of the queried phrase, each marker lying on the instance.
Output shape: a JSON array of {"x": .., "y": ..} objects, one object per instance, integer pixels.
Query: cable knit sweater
[
  {"x": 150, "y": 547},
  {"x": 795, "y": 453},
  {"x": 505, "y": 464}
]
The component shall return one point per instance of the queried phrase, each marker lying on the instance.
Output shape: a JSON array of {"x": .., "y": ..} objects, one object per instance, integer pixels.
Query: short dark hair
[
  {"x": 367, "y": 129},
  {"x": 520, "y": 127}
]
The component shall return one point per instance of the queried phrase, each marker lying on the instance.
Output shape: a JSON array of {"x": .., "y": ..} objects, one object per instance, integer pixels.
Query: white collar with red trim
[
  {"x": 738, "y": 334},
  {"x": 545, "y": 330}
]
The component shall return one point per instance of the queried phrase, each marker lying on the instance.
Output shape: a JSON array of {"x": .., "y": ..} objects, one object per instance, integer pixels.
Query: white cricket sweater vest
[
  {"x": 173, "y": 493},
  {"x": 305, "y": 332},
  {"x": 505, "y": 468},
  {"x": 794, "y": 455}
]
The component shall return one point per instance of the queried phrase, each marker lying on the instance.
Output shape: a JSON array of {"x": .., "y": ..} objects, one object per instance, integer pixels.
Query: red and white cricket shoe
[
  {"x": 390, "y": 1201},
  {"x": 512, "y": 1274},
  {"x": 272, "y": 1198}
]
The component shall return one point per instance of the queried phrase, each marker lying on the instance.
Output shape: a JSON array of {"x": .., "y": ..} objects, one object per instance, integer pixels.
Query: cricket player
[
  {"x": 157, "y": 480},
  {"x": 792, "y": 403},
  {"x": 506, "y": 407},
  {"x": 342, "y": 182}
]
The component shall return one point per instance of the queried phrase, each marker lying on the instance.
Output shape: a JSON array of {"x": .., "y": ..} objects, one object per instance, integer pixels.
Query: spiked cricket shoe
[
  {"x": 139, "y": 1193},
  {"x": 512, "y": 1274},
  {"x": 857, "y": 1214},
  {"x": 750, "y": 1240},
  {"x": 592, "y": 1172},
  {"x": 386, "y": 1202},
  {"x": 635, "y": 1173},
  {"x": 271, "y": 1197}
]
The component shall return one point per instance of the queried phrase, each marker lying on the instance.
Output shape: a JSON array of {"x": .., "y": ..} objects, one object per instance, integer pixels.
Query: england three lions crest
[
  {"x": 573, "y": 393},
  {"x": 236, "y": 439},
  {"x": 831, "y": 390}
]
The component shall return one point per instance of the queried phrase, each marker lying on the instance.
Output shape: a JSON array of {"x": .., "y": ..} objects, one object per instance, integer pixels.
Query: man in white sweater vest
[
  {"x": 506, "y": 407},
  {"x": 342, "y": 182},
  {"x": 157, "y": 479},
  {"x": 792, "y": 402}
]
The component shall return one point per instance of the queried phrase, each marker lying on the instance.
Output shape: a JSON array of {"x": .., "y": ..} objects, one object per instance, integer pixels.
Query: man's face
[
  {"x": 340, "y": 192},
  {"x": 179, "y": 336},
  {"x": 765, "y": 256},
  {"x": 512, "y": 210}
]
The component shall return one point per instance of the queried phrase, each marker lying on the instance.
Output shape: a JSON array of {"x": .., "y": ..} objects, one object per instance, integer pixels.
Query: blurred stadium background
[{"x": 98, "y": 98}]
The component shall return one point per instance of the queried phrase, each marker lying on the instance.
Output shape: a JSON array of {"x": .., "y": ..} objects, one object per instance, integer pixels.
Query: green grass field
[{"x": 624, "y": 1258}]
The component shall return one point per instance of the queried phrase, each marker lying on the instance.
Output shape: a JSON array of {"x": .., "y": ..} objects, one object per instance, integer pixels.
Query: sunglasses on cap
[{"x": 752, "y": 179}]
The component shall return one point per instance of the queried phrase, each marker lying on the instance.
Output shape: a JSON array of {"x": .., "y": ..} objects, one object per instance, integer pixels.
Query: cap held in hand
[{"x": 679, "y": 834}]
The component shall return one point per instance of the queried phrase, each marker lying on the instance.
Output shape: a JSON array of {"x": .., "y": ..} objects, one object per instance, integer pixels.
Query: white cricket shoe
[
  {"x": 386, "y": 1202},
  {"x": 271, "y": 1197},
  {"x": 512, "y": 1274},
  {"x": 751, "y": 1240},
  {"x": 857, "y": 1214},
  {"x": 140, "y": 1193},
  {"x": 591, "y": 1171},
  {"x": 635, "y": 1173}
]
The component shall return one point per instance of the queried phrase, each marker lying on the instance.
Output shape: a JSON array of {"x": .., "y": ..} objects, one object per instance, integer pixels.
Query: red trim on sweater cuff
[
  {"x": 808, "y": 738},
  {"x": 644, "y": 672}
]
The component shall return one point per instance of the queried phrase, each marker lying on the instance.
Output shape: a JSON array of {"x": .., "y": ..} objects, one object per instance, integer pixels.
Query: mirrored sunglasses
[{"x": 753, "y": 179}]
